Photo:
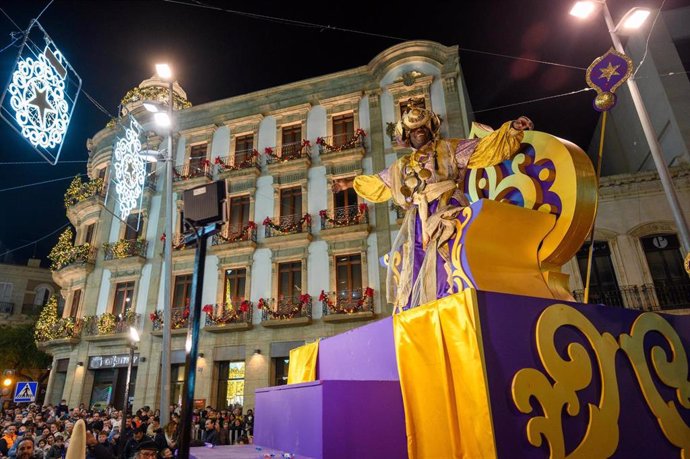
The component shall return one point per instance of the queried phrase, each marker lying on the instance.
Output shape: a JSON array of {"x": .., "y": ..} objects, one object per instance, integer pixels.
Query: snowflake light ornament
[
  {"x": 41, "y": 94},
  {"x": 130, "y": 169}
]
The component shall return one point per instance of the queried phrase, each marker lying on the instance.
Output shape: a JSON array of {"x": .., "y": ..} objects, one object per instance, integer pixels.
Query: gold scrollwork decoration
[
  {"x": 570, "y": 375},
  {"x": 458, "y": 277},
  {"x": 673, "y": 372},
  {"x": 497, "y": 186},
  {"x": 395, "y": 267}
]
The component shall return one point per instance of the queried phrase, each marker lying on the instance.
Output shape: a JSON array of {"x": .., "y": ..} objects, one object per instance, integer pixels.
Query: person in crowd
[
  {"x": 57, "y": 451},
  {"x": 26, "y": 449},
  {"x": 210, "y": 433},
  {"x": 147, "y": 449},
  {"x": 249, "y": 423},
  {"x": 7, "y": 440},
  {"x": 133, "y": 443},
  {"x": 170, "y": 433}
]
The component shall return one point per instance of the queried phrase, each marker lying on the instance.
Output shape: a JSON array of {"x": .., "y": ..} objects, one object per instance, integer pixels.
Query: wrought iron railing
[
  {"x": 192, "y": 170},
  {"x": 243, "y": 159},
  {"x": 179, "y": 316},
  {"x": 347, "y": 301},
  {"x": 286, "y": 308},
  {"x": 63, "y": 328},
  {"x": 340, "y": 142},
  {"x": 399, "y": 211},
  {"x": 84, "y": 191},
  {"x": 344, "y": 216},
  {"x": 110, "y": 324},
  {"x": 6, "y": 307},
  {"x": 288, "y": 224},
  {"x": 288, "y": 152},
  {"x": 178, "y": 241},
  {"x": 237, "y": 312},
  {"x": 641, "y": 297},
  {"x": 125, "y": 248},
  {"x": 235, "y": 233},
  {"x": 78, "y": 254}
]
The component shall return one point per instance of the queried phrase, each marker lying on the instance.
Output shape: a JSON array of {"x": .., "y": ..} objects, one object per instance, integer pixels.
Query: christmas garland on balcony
[
  {"x": 348, "y": 219},
  {"x": 64, "y": 253},
  {"x": 347, "y": 308},
  {"x": 178, "y": 320},
  {"x": 242, "y": 235},
  {"x": 244, "y": 164},
  {"x": 352, "y": 143},
  {"x": 49, "y": 326},
  {"x": 124, "y": 248},
  {"x": 204, "y": 163},
  {"x": 79, "y": 191},
  {"x": 268, "y": 151},
  {"x": 295, "y": 310},
  {"x": 228, "y": 315},
  {"x": 288, "y": 227}
]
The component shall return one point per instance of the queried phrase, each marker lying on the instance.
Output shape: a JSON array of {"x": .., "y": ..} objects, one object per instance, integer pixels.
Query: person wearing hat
[
  {"x": 429, "y": 184},
  {"x": 147, "y": 450}
]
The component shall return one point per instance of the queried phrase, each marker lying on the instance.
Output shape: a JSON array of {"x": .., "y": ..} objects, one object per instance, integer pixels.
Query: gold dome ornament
[{"x": 604, "y": 101}]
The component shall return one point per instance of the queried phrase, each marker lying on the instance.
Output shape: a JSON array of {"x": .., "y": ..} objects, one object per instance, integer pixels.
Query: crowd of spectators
[{"x": 44, "y": 432}]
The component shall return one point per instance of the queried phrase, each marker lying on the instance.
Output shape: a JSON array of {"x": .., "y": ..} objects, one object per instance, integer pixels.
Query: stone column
[{"x": 455, "y": 118}]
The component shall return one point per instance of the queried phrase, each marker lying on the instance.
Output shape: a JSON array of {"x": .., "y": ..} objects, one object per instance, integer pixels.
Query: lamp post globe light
[
  {"x": 165, "y": 120},
  {"x": 633, "y": 20}
]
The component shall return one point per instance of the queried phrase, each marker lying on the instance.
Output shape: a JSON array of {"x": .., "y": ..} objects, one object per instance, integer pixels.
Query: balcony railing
[
  {"x": 347, "y": 301},
  {"x": 125, "y": 248},
  {"x": 288, "y": 152},
  {"x": 6, "y": 307},
  {"x": 110, "y": 324},
  {"x": 79, "y": 191},
  {"x": 641, "y": 297},
  {"x": 399, "y": 211},
  {"x": 179, "y": 316},
  {"x": 288, "y": 224},
  {"x": 79, "y": 254},
  {"x": 285, "y": 309},
  {"x": 341, "y": 142},
  {"x": 192, "y": 170},
  {"x": 239, "y": 311},
  {"x": 178, "y": 241},
  {"x": 243, "y": 159},
  {"x": 63, "y": 328},
  {"x": 344, "y": 216},
  {"x": 235, "y": 233}
]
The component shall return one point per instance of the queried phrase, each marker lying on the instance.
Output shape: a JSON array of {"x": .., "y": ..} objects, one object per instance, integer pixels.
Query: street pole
[
  {"x": 123, "y": 440},
  {"x": 167, "y": 272},
  {"x": 652, "y": 140}
]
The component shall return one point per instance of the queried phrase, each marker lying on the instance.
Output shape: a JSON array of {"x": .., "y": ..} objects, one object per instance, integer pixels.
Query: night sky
[{"x": 114, "y": 45}]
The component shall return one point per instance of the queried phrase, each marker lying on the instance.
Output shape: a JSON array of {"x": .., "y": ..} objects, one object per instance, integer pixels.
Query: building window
[
  {"x": 88, "y": 234},
  {"x": 291, "y": 202},
  {"x": 176, "y": 384},
  {"x": 603, "y": 286},
  {"x": 197, "y": 156},
  {"x": 292, "y": 141},
  {"x": 41, "y": 296},
  {"x": 345, "y": 200},
  {"x": 290, "y": 281},
  {"x": 101, "y": 173},
  {"x": 343, "y": 129},
  {"x": 74, "y": 308},
  {"x": 133, "y": 227},
  {"x": 182, "y": 291},
  {"x": 243, "y": 148},
  {"x": 417, "y": 102},
  {"x": 280, "y": 370},
  {"x": 348, "y": 276},
  {"x": 6, "y": 291},
  {"x": 230, "y": 384},
  {"x": 665, "y": 263},
  {"x": 239, "y": 212},
  {"x": 234, "y": 288},
  {"x": 124, "y": 294}
]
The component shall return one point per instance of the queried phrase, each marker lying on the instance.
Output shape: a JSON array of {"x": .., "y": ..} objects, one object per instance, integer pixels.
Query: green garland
[
  {"x": 124, "y": 248},
  {"x": 64, "y": 253},
  {"x": 106, "y": 323},
  {"x": 49, "y": 326},
  {"x": 79, "y": 191}
]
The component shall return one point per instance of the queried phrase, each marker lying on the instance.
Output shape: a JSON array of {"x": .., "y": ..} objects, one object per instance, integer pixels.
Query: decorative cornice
[
  {"x": 641, "y": 183},
  {"x": 341, "y": 102},
  {"x": 421, "y": 85},
  {"x": 251, "y": 122},
  {"x": 242, "y": 260},
  {"x": 292, "y": 113}
]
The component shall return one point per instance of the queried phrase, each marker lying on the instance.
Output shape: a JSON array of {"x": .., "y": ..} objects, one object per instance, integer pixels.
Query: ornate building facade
[{"x": 298, "y": 258}]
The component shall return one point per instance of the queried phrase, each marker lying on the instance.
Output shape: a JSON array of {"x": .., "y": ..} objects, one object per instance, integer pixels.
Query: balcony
[
  {"x": 192, "y": 174},
  {"x": 72, "y": 263},
  {"x": 290, "y": 230},
  {"x": 236, "y": 239},
  {"x": 125, "y": 253},
  {"x": 6, "y": 307},
  {"x": 348, "y": 305},
  {"x": 236, "y": 316},
  {"x": 83, "y": 198},
  {"x": 64, "y": 333},
  {"x": 399, "y": 212},
  {"x": 289, "y": 157},
  {"x": 341, "y": 148},
  {"x": 648, "y": 297},
  {"x": 244, "y": 163},
  {"x": 345, "y": 223},
  {"x": 180, "y": 321},
  {"x": 287, "y": 312},
  {"x": 110, "y": 329}
]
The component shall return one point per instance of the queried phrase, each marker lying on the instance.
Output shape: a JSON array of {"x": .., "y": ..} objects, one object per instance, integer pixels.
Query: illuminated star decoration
[
  {"x": 37, "y": 95},
  {"x": 130, "y": 170},
  {"x": 609, "y": 71}
]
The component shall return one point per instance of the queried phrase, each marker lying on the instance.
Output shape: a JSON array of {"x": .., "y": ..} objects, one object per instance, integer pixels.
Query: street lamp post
[
  {"x": 634, "y": 19},
  {"x": 133, "y": 341}
]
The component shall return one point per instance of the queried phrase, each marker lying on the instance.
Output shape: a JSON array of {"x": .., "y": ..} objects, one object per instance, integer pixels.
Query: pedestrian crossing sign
[{"x": 25, "y": 391}]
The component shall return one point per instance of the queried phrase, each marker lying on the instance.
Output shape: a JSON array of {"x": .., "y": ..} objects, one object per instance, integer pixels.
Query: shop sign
[{"x": 99, "y": 362}]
